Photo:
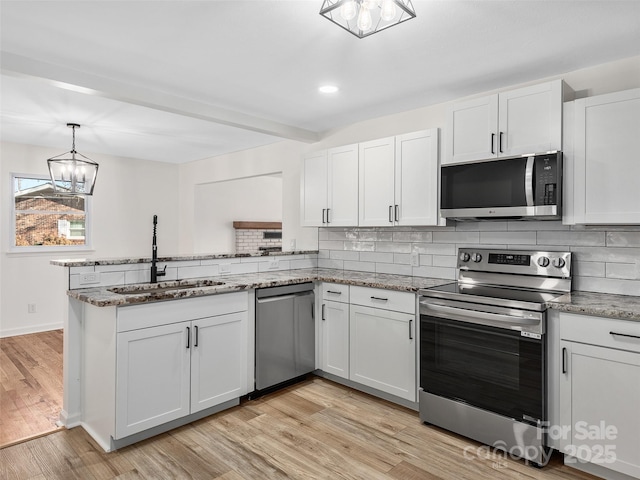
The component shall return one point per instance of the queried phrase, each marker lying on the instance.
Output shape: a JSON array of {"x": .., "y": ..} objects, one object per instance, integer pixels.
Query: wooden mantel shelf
[{"x": 258, "y": 225}]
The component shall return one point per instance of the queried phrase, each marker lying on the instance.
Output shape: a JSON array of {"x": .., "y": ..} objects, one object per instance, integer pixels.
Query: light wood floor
[
  {"x": 30, "y": 385},
  {"x": 313, "y": 430}
]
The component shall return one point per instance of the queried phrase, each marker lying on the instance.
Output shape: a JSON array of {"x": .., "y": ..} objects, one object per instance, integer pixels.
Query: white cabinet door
[
  {"x": 416, "y": 178},
  {"x": 383, "y": 350},
  {"x": 313, "y": 189},
  {"x": 218, "y": 360},
  {"x": 152, "y": 377},
  {"x": 606, "y": 166},
  {"x": 335, "y": 338},
  {"x": 342, "y": 186},
  {"x": 599, "y": 406},
  {"x": 520, "y": 121},
  {"x": 376, "y": 185},
  {"x": 471, "y": 130},
  {"x": 530, "y": 119}
]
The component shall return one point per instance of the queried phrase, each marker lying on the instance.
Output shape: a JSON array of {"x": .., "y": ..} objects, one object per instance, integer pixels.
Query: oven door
[{"x": 485, "y": 359}]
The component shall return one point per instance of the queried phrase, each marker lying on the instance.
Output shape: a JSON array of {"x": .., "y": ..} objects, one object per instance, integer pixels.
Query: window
[{"x": 43, "y": 218}]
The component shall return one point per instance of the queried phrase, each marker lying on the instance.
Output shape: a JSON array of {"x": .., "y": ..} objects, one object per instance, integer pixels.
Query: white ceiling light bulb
[
  {"x": 328, "y": 89},
  {"x": 348, "y": 10},
  {"x": 364, "y": 19},
  {"x": 388, "y": 10}
]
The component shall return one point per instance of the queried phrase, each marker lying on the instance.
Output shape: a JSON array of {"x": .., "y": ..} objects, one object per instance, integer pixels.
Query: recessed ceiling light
[{"x": 328, "y": 89}]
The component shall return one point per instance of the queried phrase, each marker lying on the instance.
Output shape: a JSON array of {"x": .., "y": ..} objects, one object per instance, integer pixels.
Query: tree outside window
[{"x": 45, "y": 218}]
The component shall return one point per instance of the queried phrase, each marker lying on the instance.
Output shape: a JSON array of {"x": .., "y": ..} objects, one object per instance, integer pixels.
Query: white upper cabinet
[
  {"x": 399, "y": 180},
  {"x": 313, "y": 189},
  {"x": 329, "y": 188},
  {"x": 521, "y": 121},
  {"x": 602, "y": 178},
  {"x": 342, "y": 206},
  {"x": 416, "y": 178},
  {"x": 377, "y": 167},
  {"x": 471, "y": 130}
]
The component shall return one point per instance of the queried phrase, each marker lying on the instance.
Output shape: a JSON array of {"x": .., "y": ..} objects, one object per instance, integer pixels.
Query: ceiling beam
[{"x": 89, "y": 84}]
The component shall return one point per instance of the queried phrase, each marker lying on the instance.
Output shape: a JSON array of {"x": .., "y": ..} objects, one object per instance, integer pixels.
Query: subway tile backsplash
[
  {"x": 605, "y": 259},
  {"x": 126, "y": 274}
]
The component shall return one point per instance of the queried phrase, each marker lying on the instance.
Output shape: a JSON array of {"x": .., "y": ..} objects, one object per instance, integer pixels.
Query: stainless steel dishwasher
[{"x": 285, "y": 334}]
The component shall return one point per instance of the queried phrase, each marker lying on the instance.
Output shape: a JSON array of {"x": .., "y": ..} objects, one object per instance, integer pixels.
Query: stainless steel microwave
[{"x": 527, "y": 187}]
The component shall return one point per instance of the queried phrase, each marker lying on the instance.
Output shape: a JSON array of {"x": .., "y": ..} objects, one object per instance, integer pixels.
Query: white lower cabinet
[
  {"x": 218, "y": 360},
  {"x": 599, "y": 394},
  {"x": 334, "y": 329},
  {"x": 170, "y": 371},
  {"x": 382, "y": 345},
  {"x": 153, "y": 377},
  {"x": 368, "y": 338},
  {"x": 150, "y": 366},
  {"x": 382, "y": 353},
  {"x": 335, "y": 338}
]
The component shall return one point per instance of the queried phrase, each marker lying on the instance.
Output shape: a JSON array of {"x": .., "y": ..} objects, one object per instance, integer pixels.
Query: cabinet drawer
[
  {"x": 385, "y": 299},
  {"x": 605, "y": 332},
  {"x": 144, "y": 315},
  {"x": 336, "y": 292}
]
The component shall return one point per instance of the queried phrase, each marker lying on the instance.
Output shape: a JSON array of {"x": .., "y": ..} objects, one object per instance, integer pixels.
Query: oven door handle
[{"x": 481, "y": 318}]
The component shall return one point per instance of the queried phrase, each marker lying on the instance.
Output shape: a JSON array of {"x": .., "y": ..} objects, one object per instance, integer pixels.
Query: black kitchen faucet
[{"x": 154, "y": 255}]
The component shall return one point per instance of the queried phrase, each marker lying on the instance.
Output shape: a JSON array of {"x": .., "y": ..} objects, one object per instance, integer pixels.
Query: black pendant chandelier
[
  {"x": 366, "y": 17},
  {"x": 74, "y": 174}
]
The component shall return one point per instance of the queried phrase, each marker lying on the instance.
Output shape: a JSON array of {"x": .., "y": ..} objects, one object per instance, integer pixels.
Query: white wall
[
  {"x": 127, "y": 194},
  {"x": 218, "y": 205},
  {"x": 278, "y": 157}
]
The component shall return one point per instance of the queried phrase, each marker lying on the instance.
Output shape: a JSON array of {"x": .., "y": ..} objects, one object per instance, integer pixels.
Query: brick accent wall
[{"x": 251, "y": 239}]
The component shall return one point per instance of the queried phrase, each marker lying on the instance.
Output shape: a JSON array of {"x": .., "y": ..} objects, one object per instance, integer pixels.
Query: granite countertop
[
  {"x": 587, "y": 303},
  {"x": 104, "y": 297},
  {"x": 86, "y": 262},
  {"x": 625, "y": 307}
]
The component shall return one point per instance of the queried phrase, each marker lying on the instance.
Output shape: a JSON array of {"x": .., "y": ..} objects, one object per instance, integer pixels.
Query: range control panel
[{"x": 552, "y": 264}]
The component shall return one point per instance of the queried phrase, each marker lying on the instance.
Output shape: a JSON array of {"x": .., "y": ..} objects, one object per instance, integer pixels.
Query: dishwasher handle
[{"x": 278, "y": 298}]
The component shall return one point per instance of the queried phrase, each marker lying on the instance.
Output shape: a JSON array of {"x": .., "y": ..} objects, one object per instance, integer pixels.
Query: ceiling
[{"x": 177, "y": 81}]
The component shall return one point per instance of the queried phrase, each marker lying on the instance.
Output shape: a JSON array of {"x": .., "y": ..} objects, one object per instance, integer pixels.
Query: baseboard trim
[{"x": 45, "y": 327}]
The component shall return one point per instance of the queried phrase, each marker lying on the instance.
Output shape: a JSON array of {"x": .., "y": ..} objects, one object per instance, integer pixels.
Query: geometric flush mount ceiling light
[
  {"x": 72, "y": 175},
  {"x": 366, "y": 17}
]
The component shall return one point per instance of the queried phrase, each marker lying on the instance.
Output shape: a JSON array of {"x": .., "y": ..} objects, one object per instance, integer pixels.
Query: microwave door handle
[{"x": 528, "y": 181}]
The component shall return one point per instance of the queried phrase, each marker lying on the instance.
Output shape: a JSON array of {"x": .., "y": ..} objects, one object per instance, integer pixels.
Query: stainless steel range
[{"x": 483, "y": 348}]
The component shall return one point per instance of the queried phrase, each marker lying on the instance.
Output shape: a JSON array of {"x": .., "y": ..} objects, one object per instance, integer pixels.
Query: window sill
[{"x": 48, "y": 251}]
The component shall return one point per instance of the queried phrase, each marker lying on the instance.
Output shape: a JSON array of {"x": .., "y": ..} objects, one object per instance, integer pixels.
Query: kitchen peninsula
[{"x": 111, "y": 314}]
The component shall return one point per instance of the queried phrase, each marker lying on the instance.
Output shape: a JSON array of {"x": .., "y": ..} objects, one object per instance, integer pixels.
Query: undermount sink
[{"x": 141, "y": 288}]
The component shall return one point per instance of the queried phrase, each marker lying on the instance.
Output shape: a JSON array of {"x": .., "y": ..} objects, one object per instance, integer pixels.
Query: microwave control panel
[{"x": 546, "y": 180}]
